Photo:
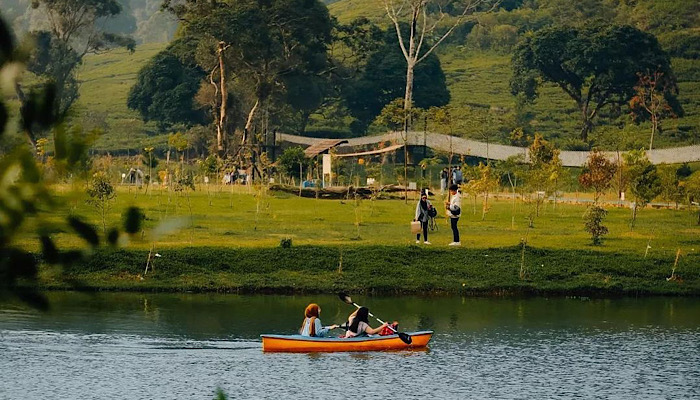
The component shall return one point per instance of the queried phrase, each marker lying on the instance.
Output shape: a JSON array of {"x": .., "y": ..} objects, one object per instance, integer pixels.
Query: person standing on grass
[
  {"x": 454, "y": 210},
  {"x": 422, "y": 214},
  {"x": 444, "y": 175}
]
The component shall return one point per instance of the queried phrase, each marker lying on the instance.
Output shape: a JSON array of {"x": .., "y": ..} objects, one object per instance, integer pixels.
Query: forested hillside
[{"x": 472, "y": 74}]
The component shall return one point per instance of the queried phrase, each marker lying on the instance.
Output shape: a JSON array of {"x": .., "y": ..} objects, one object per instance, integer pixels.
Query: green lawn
[{"x": 252, "y": 217}]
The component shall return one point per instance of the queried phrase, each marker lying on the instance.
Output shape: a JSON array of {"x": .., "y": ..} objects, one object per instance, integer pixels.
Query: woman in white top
[
  {"x": 358, "y": 324},
  {"x": 454, "y": 210},
  {"x": 312, "y": 323}
]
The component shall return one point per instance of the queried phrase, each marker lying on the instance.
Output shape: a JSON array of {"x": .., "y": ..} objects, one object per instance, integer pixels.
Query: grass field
[
  {"x": 245, "y": 217},
  {"x": 230, "y": 240}
]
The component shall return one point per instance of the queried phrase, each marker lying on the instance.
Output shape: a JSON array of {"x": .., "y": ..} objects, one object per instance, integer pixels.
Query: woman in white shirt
[
  {"x": 454, "y": 210},
  {"x": 312, "y": 323}
]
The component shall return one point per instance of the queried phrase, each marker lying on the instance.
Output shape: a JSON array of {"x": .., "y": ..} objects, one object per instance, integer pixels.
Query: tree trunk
[
  {"x": 224, "y": 99},
  {"x": 654, "y": 124}
]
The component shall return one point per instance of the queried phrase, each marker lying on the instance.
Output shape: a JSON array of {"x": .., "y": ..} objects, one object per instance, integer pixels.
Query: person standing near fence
[{"x": 454, "y": 210}]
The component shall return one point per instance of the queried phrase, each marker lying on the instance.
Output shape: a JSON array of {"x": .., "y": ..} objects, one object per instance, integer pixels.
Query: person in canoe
[
  {"x": 358, "y": 324},
  {"x": 312, "y": 323}
]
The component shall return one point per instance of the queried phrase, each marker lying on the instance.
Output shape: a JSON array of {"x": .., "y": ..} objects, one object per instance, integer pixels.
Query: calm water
[{"x": 169, "y": 346}]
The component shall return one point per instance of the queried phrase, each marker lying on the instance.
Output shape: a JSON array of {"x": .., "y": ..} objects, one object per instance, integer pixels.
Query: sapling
[{"x": 101, "y": 195}]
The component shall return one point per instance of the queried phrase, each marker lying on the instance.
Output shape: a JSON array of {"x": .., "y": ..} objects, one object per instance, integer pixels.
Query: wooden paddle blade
[
  {"x": 405, "y": 337},
  {"x": 345, "y": 298}
]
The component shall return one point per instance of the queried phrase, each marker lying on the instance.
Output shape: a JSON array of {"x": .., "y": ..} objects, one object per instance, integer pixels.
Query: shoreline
[{"x": 379, "y": 270}]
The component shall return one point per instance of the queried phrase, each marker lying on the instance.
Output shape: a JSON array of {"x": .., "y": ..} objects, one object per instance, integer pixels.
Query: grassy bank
[
  {"x": 381, "y": 269},
  {"x": 229, "y": 240}
]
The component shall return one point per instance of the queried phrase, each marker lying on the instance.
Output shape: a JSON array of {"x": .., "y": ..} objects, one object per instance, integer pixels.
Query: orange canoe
[{"x": 298, "y": 343}]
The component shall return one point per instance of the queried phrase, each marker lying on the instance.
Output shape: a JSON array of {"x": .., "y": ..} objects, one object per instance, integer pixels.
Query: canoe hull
[{"x": 300, "y": 344}]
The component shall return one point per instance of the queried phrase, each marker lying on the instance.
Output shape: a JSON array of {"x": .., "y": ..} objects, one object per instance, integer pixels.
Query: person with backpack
[
  {"x": 454, "y": 210},
  {"x": 424, "y": 211}
]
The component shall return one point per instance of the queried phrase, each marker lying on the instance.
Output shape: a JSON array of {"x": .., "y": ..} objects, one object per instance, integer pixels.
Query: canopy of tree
[
  {"x": 166, "y": 87},
  {"x": 594, "y": 66}
]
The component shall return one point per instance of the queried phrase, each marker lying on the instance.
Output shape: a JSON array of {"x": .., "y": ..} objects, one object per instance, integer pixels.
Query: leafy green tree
[
  {"x": 74, "y": 31},
  {"x": 643, "y": 180},
  {"x": 594, "y": 66},
  {"x": 544, "y": 171},
  {"x": 101, "y": 195},
  {"x": 594, "y": 217},
  {"x": 672, "y": 189},
  {"x": 166, "y": 86},
  {"x": 262, "y": 41},
  {"x": 292, "y": 161}
]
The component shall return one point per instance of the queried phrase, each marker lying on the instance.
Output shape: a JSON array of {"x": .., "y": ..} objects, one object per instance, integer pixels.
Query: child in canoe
[{"x": 312, "y": 323}]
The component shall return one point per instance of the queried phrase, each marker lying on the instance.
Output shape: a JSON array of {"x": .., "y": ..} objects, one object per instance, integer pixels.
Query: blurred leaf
[
  {"x": 49, "y": 250},
  {"x": 84, "y": 230},
  {"x": 113, "y": 237},
  {"x": 6, "y": 43},
  {"x": 3, "y": 118},
  {"x": 133, "y": 219},
  {"x": 21, "y": 264},
  {"x": 38, "y": 109},
  {"x": 33, "y": 298}
]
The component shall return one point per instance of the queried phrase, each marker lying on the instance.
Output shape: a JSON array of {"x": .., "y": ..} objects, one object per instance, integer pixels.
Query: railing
[{"x": 492, "y": 151}]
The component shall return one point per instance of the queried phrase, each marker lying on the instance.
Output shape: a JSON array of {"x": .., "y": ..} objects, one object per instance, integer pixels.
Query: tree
[
  {"x": 74, "y": 30},
  {"x": 643, "y": 180},
  {"x": 594, "y": 66},
  {"x": 598, "y": 174},
  {"x": 262, "y": 41},
  {"x": 594, "y": 217},
  {"x": 423, "y": 19},
  {"x": 166, "y": 86},
  {"x": 486, "y": 183},
  {"x": 692, "y": 189},
  {"x": 672, "y": 190},
  {"x": 382, "y": 82},
  {"x": 653, "y": 99},
  {"x": 101, "y": 194},
  {"x": 292, "y": 161},
  {"x": 545, "y": 167}
]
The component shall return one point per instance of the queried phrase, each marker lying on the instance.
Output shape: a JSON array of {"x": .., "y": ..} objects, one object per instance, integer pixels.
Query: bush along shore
[{"x": 381, "y": 270}]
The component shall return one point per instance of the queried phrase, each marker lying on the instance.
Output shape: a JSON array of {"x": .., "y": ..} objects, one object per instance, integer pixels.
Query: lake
[{"x": 185, "y": 346}]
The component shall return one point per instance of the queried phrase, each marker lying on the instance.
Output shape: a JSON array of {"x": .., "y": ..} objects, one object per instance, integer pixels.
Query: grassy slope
[
  {"x": 227, "y": 245},
  {"x": 106, "y": 81}
]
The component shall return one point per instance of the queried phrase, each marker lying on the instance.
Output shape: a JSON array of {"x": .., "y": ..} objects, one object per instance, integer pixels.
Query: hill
[{"x": 477, "y": 71}]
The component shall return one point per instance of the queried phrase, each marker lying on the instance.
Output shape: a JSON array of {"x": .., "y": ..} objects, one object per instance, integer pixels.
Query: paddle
[{"x": 403, "y": 336}]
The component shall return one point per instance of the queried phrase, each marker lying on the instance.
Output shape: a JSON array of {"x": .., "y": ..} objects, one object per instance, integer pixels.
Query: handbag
[{"x": 415, "y": 227}]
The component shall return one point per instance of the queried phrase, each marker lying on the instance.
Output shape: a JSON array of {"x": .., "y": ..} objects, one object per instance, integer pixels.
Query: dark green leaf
[
  {"x": 113, "y": 236},
  {"x": 49, "y": 249},
  {"x": 84, "y": 230},
  {"x": 133, "y": 218}
]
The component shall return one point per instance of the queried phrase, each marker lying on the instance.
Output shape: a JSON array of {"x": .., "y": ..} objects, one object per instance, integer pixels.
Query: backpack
[{"x": 432, "y": 212}]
